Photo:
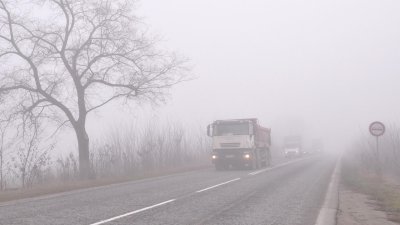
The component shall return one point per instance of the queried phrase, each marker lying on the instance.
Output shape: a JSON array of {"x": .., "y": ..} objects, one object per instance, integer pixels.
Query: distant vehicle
[
  {"x": 293, "y": 147},
  {"x": 240, "y": 143},
  {"x": 317, "y": 146}
]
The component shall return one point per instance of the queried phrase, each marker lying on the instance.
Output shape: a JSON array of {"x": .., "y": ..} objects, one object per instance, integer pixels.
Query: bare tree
[
  {"x": 5, "y": 123},
  {"x": 86, "y": 54}
]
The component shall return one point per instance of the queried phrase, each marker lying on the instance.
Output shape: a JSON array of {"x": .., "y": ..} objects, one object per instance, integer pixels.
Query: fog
[
  {"x": 88, "y": 98},
  {"x": 321, "y": 68},
  {"x": 328, "y": 68}
]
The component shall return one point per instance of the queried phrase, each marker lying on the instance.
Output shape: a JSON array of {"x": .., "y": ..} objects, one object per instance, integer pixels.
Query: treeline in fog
[{"x": 125, "y": 151}]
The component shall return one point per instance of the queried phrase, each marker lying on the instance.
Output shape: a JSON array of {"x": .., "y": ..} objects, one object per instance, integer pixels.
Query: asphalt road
[{"x": 289, "y": 193}]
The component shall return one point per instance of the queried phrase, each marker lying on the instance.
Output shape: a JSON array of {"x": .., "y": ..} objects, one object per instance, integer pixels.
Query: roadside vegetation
[
  {"x": 376, "y": 174},
  {"x": 126, "y": 153}
]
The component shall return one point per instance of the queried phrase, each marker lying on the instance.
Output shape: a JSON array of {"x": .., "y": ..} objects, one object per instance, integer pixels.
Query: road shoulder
[{"x": 359, "y": 209}]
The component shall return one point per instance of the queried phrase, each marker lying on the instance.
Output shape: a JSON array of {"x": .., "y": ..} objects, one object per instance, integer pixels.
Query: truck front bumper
[{"x": 234, "y": 158}]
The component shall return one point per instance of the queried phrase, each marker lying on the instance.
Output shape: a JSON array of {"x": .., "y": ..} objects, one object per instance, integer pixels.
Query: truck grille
[{"x": 230, "y": 145}]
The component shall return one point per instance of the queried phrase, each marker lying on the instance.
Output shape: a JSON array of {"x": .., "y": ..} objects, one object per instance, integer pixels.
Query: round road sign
[{"x": 377, "y": 128}]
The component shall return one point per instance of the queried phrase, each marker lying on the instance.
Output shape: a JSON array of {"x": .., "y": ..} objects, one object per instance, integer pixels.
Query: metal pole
[
  {"x": 377, "y": 157},
  {"x": 377, "y": 146}
]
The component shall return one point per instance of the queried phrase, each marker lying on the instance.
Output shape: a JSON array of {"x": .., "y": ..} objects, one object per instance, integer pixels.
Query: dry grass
[
  {"x": 391, "y": 199},
  {"x": 384, "y": 190},
  {"x": 56, "y": 188}
]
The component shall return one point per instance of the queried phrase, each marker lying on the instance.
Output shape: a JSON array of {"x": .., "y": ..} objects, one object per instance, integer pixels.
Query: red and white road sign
[{"x": 377, "y": 128}]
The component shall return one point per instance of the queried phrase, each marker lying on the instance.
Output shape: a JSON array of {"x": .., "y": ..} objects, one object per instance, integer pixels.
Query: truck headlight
[
  {"x": 247, "y": 156},
  {"x": 214, "y": 157}
]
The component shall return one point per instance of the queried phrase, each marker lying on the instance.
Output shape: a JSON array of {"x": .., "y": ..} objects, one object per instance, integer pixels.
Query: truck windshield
[
  {"x": 231, "y": 129},
  {"x": 292, "y": 145}
]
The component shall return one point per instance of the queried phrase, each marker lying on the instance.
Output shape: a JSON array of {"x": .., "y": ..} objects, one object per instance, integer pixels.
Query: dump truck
[
  {"x": 240, "y": 143},
  {"x": 293, "y": 146}
]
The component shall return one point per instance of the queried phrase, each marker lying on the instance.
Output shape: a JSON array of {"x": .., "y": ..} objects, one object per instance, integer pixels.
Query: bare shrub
[
  {"x": 131, "y": 150},
  {"x": 124, "y": 151},
  {"x": 67, "y": 168},
  {"x": 364, "y": 155},
  {"x": 31, "y": 160}
]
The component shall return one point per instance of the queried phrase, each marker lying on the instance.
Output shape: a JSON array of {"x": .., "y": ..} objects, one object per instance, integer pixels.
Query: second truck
[
  {"x": 240, "y": 143},
  {"x": 293, "y": 146}
]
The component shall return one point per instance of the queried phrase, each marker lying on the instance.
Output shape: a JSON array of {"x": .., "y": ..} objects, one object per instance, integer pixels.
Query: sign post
[{"x": 377, "y": 129}]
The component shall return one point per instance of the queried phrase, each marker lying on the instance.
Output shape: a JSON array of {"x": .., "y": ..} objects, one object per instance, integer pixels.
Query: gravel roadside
[{"x": 359, "y": 209}]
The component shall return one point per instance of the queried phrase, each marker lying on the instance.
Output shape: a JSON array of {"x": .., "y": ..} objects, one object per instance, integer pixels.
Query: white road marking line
[
  {"x": 133, "y": 212},
  {"x": 275, "y": 167},
  {"x": 199, "y": 191},
  {"x": 259, "y": 171},
  {"x": 229, "y": 181},
  {"x": 329, "y": 209}
]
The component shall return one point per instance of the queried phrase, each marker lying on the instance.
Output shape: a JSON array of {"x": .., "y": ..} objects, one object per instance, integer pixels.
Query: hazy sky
[
  {"x": 327, "y": 63},
  {"x": 329, "y": 67}
]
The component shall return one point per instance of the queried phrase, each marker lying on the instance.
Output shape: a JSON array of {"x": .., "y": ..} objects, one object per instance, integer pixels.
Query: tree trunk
[
  {"x": 83, "y": 147},
  {"x": 1, "y": 169},
  {"x": 82, "y": 136}
]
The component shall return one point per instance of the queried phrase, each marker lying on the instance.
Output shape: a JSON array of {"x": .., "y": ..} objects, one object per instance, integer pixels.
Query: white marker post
[{"x": 377, "y": 129}]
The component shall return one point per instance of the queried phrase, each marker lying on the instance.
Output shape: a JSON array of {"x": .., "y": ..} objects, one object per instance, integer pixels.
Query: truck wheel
[
  {"x": 264, "y": 162},
  {"x": 268, "y": 162},
  {"x": 259, "y": 162},
  {"x": 253, "y": 165},
  {"x": 256, "y": 160},
  {"x": 218, "y": 167}
]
